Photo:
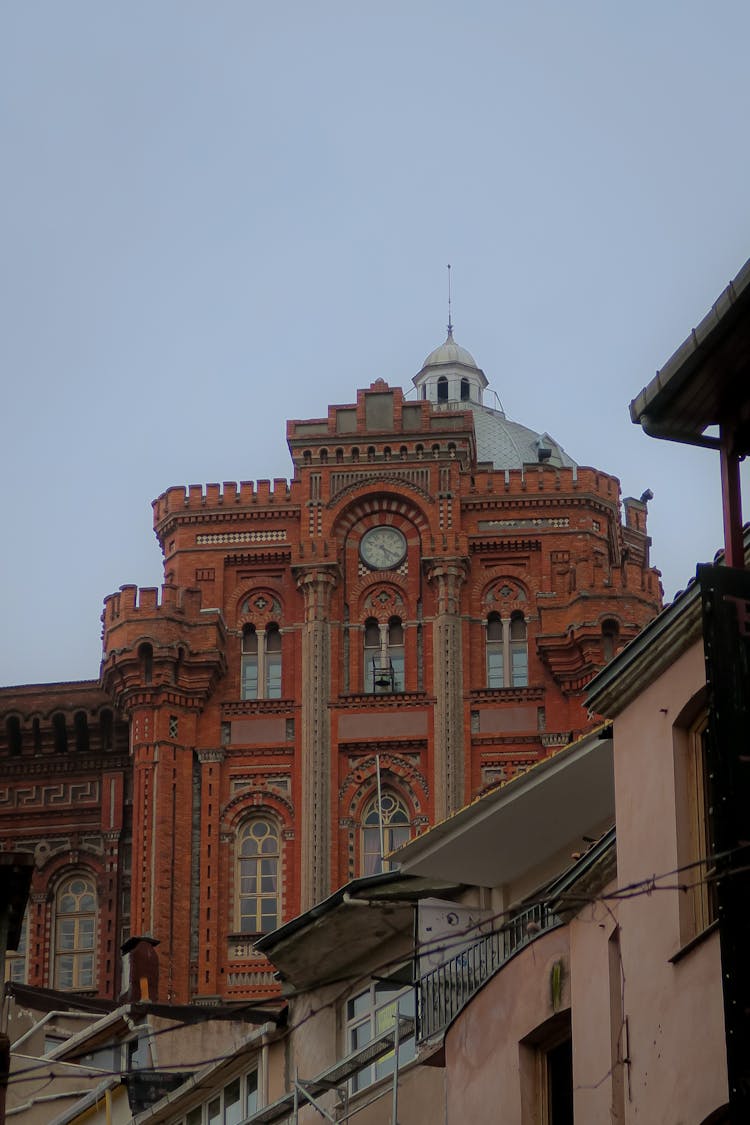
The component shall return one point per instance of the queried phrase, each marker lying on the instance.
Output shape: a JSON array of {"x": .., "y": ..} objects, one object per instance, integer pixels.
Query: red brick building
[{"x": 429, "y": 593}]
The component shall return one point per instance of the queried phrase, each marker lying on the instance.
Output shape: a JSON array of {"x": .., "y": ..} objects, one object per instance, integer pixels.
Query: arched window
[
  {"x": 249, "y": 663},
  {"x": 519, "y": 656},
  {"x": 261, "y": 662},
  {"x": 610, "y": 635},
  {"x": 258, "y": 876},
  {"x": 396, "y": 830},
  {"x": 495, "y": 652},
  {"x": 273, "y": 662},
  {"x": 442, "y": 389},
  {"x": 384, "y": 656},
  {"x": 60, "y": 733},
  {"x": 146, "y": 656},
  {"x": 507, "y": 651},
  {"x": 106, "y": 728},
  {"x": 465, "y": 390},
  {"x": 81, "y": 729},
  {"x": 396, "y": 652},
  {"x": 18, "y": 958},
  {"x": 75, "y": 929},
  {"x": 14, "y": 735}
]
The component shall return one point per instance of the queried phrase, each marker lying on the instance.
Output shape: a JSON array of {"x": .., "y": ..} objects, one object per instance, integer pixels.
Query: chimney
[{"x": 140, "y": 970}]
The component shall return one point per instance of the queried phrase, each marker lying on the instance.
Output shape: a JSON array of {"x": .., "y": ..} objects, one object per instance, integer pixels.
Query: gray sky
[{"x": 219, "y": 215}]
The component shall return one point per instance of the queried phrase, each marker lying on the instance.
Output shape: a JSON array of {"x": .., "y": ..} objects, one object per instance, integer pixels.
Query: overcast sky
[{"x": 220, "y": 215}]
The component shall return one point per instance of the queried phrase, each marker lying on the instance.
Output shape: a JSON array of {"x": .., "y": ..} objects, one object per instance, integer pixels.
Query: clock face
[{"x": 382, "y": 548}]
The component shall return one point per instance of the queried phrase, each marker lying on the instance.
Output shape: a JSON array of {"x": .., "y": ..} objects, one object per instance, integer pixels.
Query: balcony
[{"x": 444, "y": 991}]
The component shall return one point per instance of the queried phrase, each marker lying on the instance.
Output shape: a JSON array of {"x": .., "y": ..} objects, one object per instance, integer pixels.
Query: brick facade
[{"x": 355, "y": 662}]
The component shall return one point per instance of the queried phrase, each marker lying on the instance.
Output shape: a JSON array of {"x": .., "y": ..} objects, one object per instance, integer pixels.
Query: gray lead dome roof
[{"x": 509, "y": 445}]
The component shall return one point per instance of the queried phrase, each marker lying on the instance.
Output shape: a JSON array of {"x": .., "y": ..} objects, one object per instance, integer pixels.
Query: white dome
[{"x": 449, "y": 352}]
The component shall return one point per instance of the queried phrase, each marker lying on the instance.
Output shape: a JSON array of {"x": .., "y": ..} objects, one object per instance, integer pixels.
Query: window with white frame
[
  {"x": 230, "y": 1105},
  {"x": 391, "y": 811},
  {"x": 369, "y": 1015},
  {"x": 75, "y": 930},
  {"x": 258, "y": 855},
  {"x": 261, "y": 662},
  {"x": 507, "y": 654}
]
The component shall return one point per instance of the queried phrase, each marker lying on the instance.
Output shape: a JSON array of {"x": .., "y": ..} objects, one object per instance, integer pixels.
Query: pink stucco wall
[
  {"x": 482, "y": 1045},
  {"x": 674, "y": 1010}
]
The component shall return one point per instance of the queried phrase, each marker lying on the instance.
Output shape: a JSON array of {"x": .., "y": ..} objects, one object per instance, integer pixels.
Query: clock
[{"x": 382, "y": 548}]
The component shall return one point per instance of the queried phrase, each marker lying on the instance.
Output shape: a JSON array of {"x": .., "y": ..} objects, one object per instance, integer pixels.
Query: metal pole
[
  {"x": 380, "y": 814},
  {"x": 731, "y": 499},
  {"x": 394, "y": 1112}
]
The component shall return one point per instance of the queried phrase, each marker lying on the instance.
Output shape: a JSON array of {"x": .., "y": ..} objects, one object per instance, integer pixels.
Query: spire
[{"x": 450, "y": 321}]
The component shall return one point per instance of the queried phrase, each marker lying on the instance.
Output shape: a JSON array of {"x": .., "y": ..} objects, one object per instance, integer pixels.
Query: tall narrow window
[
  {"x": 442, "y": 389},
  {"x": 519, "y": 657},
  {"x": 18, "y": 958},
  {"x": 395, "y": 653},
  {"x": 396, "y": 831},
  {"x": 60, "y": 733},
  {"x": 13, "y": 731},
  {"x": 385, "y": 667},
  {"x": 495, "y": 652},
  {"x": 465, "y": 390},
  {"x": 273, "y": 662},
  {"x": 258, "y": 876},
  {"x": 610, "y": 633},
  {"x": 75, "y": 928},
  {"x": 249, "y": 663},
  {"x": 372, "y": 656}
]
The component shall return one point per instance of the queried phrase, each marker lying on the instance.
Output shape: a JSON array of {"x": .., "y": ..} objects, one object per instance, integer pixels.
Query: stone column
[
  {"x": 447, "y": 576},
  {"x": 317, "y": 584}
]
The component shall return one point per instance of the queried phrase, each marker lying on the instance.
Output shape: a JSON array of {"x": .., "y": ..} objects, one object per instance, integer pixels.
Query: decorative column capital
[
  {"x": 448, "y": 576},
  {"x": 317, "y": 583},
  {"x": 210, "y": 756}
]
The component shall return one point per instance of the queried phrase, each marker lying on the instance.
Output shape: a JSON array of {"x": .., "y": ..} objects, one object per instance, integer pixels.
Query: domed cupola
[
  {"x": 450, "y": 380},
  {"x": 450, "y": 374}
]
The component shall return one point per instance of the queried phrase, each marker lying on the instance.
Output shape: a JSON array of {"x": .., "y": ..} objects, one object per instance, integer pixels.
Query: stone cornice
[
  {"x": 247, "y": 708},
  {"x": 24, "y": 765},
  {"x": 497, "y": 696},
  {"x": 492, "y": 501},
  {"x": 386, "y": 701}
]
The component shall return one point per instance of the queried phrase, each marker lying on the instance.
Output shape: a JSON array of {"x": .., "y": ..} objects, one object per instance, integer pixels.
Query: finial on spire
[{"x": 450, "y": 321}]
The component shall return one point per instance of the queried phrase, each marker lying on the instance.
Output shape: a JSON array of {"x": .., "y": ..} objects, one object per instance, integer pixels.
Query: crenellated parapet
[
  {"x": 161, "y": 646},
  {"x": 225, "y": 502}
]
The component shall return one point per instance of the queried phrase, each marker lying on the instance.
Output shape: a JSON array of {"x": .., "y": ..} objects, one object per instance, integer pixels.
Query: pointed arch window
[
  {"x": 396, "y": 830},
  {"x": 75, "y": 932},
  {"x": 258, "y": 859}
]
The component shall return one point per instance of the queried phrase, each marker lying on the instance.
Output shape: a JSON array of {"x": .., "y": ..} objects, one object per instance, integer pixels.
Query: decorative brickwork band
[
  {"x": 317, "y": 584},
  {"x": 447, "y": 576}
]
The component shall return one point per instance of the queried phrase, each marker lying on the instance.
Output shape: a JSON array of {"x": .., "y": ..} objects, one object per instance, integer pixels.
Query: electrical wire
[{"x": 645, "y": 887}]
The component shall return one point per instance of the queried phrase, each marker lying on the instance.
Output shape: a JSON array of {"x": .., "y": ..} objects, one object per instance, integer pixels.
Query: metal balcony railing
[{"x": 444, "y": 991}]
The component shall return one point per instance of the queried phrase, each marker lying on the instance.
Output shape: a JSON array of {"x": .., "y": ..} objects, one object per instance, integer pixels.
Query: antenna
[{"x": 450, "y": 321}]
